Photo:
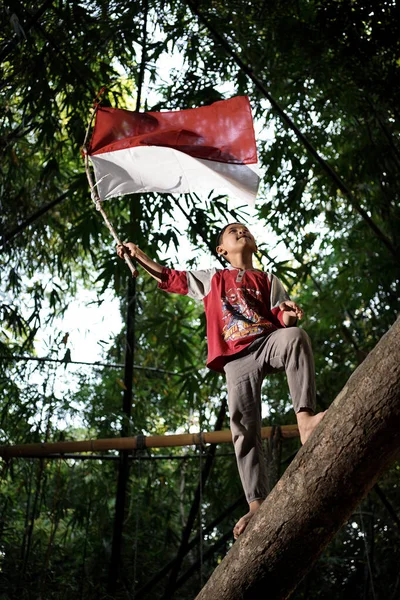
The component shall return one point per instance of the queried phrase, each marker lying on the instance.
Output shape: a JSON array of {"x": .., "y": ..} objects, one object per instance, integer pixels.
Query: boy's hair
[{"x": 219, "y": 237}]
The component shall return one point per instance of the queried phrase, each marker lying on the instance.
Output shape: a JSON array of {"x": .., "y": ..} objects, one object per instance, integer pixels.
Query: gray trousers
[{"x": 285, "y": 349}]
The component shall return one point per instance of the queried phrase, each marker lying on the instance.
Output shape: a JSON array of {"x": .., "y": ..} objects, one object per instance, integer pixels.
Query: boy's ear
[{"x": 220, "y": 250}]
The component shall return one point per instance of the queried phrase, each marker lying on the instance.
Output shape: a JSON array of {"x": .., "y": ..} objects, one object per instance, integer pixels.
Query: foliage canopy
[{"x": 333, "y": 67}]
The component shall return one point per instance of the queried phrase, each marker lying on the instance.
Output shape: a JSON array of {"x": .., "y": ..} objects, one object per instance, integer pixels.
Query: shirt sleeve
[
  {"x": 195, "y": 284},
  {"x": 278, "y": 294},
  {"x": 173, "y": 281}
]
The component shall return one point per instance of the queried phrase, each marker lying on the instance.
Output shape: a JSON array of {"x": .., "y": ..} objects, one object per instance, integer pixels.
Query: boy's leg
[
  {"x": 286, "y": 349},
  {"x": 244, "y": 379},
  {"x": 290, "y": 350}
]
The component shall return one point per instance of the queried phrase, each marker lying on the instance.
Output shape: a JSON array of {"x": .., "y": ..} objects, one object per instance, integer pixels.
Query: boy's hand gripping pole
[{"x": 96, "y": 198}]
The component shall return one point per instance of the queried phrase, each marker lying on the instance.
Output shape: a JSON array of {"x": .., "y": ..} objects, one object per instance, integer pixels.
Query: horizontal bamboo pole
[{"x": 133, "y": 443}]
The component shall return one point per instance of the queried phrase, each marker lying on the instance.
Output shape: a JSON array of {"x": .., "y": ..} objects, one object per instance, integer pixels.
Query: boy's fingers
[{"x": 121, "y": 250}]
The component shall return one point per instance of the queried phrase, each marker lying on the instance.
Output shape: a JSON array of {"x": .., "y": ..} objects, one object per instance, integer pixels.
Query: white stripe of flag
[{"x": 195, "y": 150}]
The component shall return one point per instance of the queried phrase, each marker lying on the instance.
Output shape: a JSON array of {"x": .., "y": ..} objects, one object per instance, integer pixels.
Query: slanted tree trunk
[{"x": 357, "y": 440}]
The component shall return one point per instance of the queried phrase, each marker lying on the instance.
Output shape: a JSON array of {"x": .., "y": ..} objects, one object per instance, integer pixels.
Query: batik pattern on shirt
[{"x": 239, "y": 305}]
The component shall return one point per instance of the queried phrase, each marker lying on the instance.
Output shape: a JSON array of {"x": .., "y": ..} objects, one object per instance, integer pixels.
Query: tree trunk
[
  {"x": 273, "y": 457},
  {"x": 357, "y": 440},
  {"x": 124, "y": 464}
]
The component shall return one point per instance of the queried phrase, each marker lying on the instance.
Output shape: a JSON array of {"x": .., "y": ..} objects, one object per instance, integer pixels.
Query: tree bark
[{"x": 357, "y": 440}]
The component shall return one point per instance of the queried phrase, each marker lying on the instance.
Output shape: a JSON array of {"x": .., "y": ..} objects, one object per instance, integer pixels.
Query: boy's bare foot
[
  {"x": 244, "y": 521},
  {"x": 307, "y": 422}
]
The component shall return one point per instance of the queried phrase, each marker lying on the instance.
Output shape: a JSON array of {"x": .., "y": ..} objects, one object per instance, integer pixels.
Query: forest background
[{"x": 333, "y": 68}]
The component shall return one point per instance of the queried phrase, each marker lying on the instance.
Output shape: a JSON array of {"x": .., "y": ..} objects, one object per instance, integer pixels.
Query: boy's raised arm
[{"x": 153, "y": 268}]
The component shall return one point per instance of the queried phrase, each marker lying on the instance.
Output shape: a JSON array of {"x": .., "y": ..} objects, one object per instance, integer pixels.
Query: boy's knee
[
  {"x": 302, "y": 335},
  {"x": 296, "y": 334},
  {"x": 298, "y": 340}
]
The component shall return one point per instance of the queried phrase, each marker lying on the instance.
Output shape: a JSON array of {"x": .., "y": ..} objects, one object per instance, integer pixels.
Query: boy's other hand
[
  {"x": 127, "y": 248},
  {"x": 292, "y": 309}
]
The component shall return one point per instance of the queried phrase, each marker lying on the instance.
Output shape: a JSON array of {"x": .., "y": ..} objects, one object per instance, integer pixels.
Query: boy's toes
[{"x": 241, "y": 525}]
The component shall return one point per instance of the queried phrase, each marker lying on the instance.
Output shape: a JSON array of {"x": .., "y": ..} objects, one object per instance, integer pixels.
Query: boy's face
[{"x": 236, "y": 239}]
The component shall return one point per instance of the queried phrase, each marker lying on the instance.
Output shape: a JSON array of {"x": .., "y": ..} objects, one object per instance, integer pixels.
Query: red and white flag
[{"x": 194, "y": 150}]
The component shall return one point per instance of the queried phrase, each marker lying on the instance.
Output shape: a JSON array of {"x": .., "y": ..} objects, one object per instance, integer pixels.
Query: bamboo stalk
[{"x": 131, "y": 443}]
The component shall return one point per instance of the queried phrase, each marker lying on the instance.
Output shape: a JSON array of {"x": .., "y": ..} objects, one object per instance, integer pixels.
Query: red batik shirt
[{"x": 240, "y": 306}]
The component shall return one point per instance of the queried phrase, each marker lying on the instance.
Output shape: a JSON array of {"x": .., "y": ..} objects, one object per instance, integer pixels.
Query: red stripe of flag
[{"x": 221, "y": 133}]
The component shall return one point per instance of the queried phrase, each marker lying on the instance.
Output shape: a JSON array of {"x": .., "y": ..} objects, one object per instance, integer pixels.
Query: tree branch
[{"x": 357, "y": 440}]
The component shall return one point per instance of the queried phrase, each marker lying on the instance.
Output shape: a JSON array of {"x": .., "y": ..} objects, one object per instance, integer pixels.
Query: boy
[{"x": 250, "y": 332}]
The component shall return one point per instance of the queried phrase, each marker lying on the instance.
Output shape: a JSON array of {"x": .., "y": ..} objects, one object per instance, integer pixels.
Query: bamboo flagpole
[
  {"x": 94, "y": 193},
  {"x": 132, "y": 443}
]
